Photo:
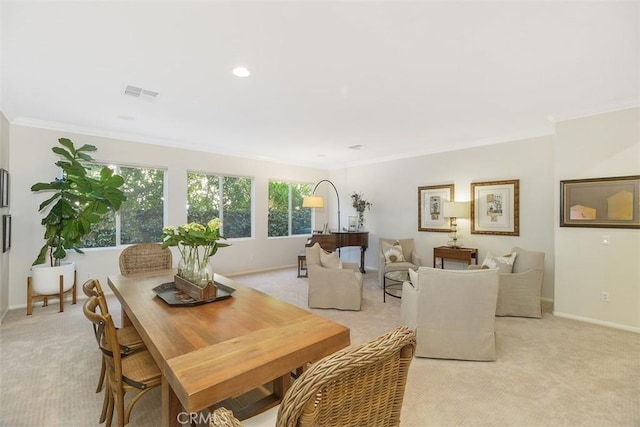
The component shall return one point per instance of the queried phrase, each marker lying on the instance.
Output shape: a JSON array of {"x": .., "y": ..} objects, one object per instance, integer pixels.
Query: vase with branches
[{"x": 360, "y": 205}]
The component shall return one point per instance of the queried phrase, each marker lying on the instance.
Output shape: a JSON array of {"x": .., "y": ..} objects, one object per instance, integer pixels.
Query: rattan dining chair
[
  {"x": 129, "y": 339},
  {"x": 136, "y": 373},
  {"x": 145, "y": 257},
  {"x": 359, "y": 386}
]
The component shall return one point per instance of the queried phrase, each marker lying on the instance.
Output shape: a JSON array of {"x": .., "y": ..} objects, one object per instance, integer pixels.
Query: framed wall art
[
  {"x": 600, "y": 202},
  {"x": 495, "y": 207},
  {"x": 6, "y": 233},
  {"x": 4, "y": 188},
  {"x": 430, "y": 201}
]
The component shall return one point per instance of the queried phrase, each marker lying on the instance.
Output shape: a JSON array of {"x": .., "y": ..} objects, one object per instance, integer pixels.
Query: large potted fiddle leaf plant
[{"x": 79, "y": 200}]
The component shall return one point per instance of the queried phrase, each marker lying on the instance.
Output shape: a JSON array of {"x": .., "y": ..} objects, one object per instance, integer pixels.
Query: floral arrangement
[
  {"x": 360, "y": 204},
  {"x": 196, "y": 243}
]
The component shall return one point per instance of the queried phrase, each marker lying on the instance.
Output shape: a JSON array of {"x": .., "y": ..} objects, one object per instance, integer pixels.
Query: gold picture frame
[
  {"x": 495, "y": 207},
  {"x": 430, "y": 201},
  {"x": 612, "y": 202}
]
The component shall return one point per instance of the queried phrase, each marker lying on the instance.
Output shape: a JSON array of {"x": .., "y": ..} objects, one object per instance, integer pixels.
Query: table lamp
[{"x": 455, "y": 210}]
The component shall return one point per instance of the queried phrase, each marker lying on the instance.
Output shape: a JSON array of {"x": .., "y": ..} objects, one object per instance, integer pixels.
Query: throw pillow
[
  {"x": 330, "y": 260},
  {"x": 503, "y": 263},
  {"x": 392, "y": 253}
]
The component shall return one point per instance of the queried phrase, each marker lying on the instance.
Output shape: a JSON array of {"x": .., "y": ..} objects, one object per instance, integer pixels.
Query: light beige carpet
[{"x": 549, "y": 372}]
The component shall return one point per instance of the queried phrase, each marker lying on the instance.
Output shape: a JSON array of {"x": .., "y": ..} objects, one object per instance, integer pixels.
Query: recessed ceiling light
[{"x": 241, "y": 72}]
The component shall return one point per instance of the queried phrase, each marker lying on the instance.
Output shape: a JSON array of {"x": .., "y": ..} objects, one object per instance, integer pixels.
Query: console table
[
  {"x": 334, "y": 240},
  {"x": 459, "y": 254}
]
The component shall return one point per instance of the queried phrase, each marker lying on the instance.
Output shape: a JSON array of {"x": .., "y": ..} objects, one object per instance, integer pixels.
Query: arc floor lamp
[{"x": 314, "y": 201}]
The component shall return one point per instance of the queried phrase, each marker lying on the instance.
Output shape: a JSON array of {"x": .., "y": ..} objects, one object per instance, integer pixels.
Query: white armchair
[
  {"x": 452, "y": 312},
  {"x": 411, "y": 259},
  {"x": 519, "y": 291},
  {"x": 332, "y": 283}
]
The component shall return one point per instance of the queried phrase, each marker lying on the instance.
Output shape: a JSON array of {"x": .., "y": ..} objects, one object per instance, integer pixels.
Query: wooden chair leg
[
  {"x": 29, "y": 296},
  {"x": 110, "y": 406},
  {"x": 103, "y": 371},
  {"x": 74, "y": 296},
  {"x": 120, "y": 409},
  {"x": 61, "y": 294},
  {"x": 105, "y": 405}
]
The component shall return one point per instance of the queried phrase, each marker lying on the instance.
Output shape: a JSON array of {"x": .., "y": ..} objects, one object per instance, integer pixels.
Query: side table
[
  {"x": 458, "y": 254},
  {"x": 394, "y": 289},
  {"x": 302, "y": 264}
]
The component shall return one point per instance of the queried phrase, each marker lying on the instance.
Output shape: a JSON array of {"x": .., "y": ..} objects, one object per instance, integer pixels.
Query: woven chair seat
[
  {"x": 140, "y": 367},
  {"x": 129, "y": 338}
]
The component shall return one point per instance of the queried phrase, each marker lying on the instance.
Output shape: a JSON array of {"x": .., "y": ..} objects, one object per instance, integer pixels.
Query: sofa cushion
[{"x": 504, "y": 263}]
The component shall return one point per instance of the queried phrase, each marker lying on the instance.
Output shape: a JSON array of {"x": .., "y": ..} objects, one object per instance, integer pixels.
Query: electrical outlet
[{"x": 604, "y": 296}]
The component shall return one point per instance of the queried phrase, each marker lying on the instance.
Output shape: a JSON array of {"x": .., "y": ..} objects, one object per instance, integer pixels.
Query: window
[
  {"x": 224, "y": 197},
  {"x": 286, "y": 215},
  {"x": 140, "y": 218}
]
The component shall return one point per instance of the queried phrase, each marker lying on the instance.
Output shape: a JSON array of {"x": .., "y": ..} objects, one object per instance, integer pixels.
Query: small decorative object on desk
[
  {"x": 197, "y": 243},
  {"x": 360, "y": 205}
]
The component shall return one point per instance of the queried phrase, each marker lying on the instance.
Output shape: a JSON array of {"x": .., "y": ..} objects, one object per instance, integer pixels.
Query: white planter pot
[{"x": 46, "y": 279}]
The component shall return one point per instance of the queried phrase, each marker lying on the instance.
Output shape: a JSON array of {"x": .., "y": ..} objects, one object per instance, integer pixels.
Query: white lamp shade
[
  {"x": 313, "y": 202},
  {"x": 455, "y": 209}
]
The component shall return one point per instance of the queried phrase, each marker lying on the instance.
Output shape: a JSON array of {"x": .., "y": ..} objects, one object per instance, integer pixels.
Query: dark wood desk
[
  {"x": 335, "y": 240},
  {"x": 220, "y": 350},
  {"x": 460, "y": 254}
]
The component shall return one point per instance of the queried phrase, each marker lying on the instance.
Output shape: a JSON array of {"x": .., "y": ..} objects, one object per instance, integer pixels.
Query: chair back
[
  {"x": 145, "y": 257},
  {"x": 107, "y": 338},
  {"x": 527, "y": 260},
  {"x": 92, "y": 288},
  {"x": 455, "y": 313},
  {"x": 312, "y": 254},
  {"x": 363, "y": 385}
]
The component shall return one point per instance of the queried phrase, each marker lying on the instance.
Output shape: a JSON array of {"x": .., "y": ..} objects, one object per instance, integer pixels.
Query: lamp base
[{"x": 454, "y": 244}]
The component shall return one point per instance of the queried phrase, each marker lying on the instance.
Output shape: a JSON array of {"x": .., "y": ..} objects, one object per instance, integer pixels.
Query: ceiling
[{"x": 397, "y": 78}]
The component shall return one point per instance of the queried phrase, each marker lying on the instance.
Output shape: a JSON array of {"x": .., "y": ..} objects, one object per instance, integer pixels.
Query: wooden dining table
[{"x": 223, "y": 349}]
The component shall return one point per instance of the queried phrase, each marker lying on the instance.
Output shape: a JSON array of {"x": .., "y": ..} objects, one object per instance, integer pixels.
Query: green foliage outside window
[
  {"x": 141, "y": 216},
  {"x": 286, "y": 214},
  {"x": 224, "y": 197}
]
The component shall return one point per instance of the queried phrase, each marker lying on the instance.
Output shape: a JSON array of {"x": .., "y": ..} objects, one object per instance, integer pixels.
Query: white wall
[
  {"x": 392, "y": 187},
  {"x": 32, "y": 161},
  {"x": 600, "y": 146}
]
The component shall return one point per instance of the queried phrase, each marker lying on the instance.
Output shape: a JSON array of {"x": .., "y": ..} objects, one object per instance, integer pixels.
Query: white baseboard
[{"x": 597, "y": 322}]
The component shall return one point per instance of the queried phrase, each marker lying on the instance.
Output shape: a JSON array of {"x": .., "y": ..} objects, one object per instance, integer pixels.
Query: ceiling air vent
[{"x": 138, "y": 92}]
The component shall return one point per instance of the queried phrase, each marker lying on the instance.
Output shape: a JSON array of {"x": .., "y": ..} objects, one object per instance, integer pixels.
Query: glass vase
[{"x": 204, "y": 274}]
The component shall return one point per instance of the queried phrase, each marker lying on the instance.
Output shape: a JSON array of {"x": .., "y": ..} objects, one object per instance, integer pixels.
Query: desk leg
[
  {"x": 362, "y": 249},
  {"x": 171, "y": 406}
]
